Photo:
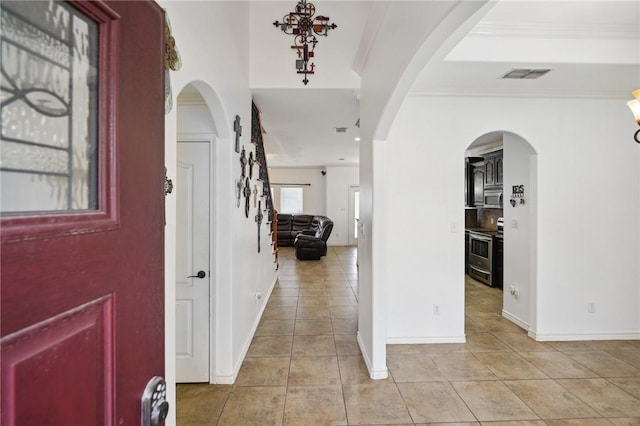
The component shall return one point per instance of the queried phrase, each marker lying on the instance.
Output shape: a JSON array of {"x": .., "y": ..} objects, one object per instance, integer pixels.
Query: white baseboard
[
  {"x": 540, "y": 337},
  {"x": 424, "y": 340},
  {"x": 514, "y": 319},
  {"x": 375, "y": 375}
]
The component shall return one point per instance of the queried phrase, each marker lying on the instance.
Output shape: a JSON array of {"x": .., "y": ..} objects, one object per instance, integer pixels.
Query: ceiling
[{"x": 585, "y": 44}]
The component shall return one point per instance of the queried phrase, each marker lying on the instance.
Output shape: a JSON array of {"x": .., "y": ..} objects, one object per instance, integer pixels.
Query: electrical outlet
[
  {"x": 513, "y": 290},
  {"x": 591, "y": 308},
  {"x": 436, "y": 309}
]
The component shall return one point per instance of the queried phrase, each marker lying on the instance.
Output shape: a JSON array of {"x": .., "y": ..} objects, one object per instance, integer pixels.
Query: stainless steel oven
[{"x": 480, "y": 256}]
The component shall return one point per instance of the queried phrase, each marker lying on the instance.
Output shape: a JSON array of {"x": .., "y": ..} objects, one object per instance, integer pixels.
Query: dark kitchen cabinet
[
  {"x": 493, "y": 170},
  {"x": 471, "y": 164},
  {"x": 478, "y": 185},
  {"x": 498, "y": 261}
]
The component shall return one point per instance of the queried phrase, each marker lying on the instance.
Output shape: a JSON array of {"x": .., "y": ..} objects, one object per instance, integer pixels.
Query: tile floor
[{"x": 304, "y": 367}]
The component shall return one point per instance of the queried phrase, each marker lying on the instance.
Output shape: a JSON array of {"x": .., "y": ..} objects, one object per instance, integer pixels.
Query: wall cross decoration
[
  {"x": 259, "y": 217},
  {"x": 304, "y": 27},
  {"x": 247, "y": 197},
  {"x": 243, "y": 163},
  {"x": 238, "y": 129}
]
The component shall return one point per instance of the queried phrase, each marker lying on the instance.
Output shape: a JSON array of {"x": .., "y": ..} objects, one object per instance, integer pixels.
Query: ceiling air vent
[
  {"x": 526, "y": 73},
  {"x": 341, "y": 130}
]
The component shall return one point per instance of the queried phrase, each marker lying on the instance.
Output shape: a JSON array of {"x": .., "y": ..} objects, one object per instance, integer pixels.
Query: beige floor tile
[
  {"x": 608, "y": 399},
  {"x": 270, "y": 346},
  {"x": 340, "y": 292},
  {"x": 629, "y": 384},
  {"x": 403, "y": 349},
  {"x": 413, "y": 368},
  {"x": 345, "y": 326},
  {"x": 313, "y": 301},
  {"x": 312, "y": 312},
  {"x": 462, "y": 366},
  {"x": 312, "y": 292},
  {"x": 272, "y": 371},
  {"x": 521, "y": 342},
  {"x": 200, "y": 404},
  {"x": 442, "y": 348},
  {"x": 254, "y": 406},
  {"x": 626, "y": 421},
  {"x": 314, "y": 405},
  {"x": 579, "y": 422},
  {"x": 557, "y": 365},
  {"x": 614, "y": 345},
  {"x": 550, "y": 400},
  {"x": 347, "y": 345},
  {"x": 571, "y": 346},
  {"x": 509, "y": 366},
  {"x": 314, "y": 346},
  {"x": 279, "y": 313},
  {"x": 375, "y": 404},
  {"x": 485, "y": 342},
  {"x": 471, "y": 326},
  {"x": 343, "y": 301},
  {"x": 604, "y": 364},
  {"x": 630, "y": 356},
  {"x": 314, "y": 370},
  {"x": 275, "y": 327},
  {"x": 516, "y": 423},
  {"x": 313, "y": 327},
  {"x": 434, "y": 402},
  {"x": 498, "y": 325},
  {"x": 353, "y": 371},
  {"x": 344, "y": 311},
  {"x": 493, "y": 401}
]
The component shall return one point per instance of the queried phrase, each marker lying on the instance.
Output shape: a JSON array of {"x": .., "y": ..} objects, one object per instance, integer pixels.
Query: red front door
[{"x": 82, "y": 283}]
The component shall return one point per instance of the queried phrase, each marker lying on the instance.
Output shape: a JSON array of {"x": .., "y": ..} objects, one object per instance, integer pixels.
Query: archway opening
[{"x": 500, "y": 232}]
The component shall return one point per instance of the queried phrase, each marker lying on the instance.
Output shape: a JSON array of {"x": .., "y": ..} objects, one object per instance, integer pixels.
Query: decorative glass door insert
[{"x": 49, "y": 102}]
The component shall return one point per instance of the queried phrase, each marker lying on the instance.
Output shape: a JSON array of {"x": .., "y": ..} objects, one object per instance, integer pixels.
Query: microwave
[{"x": 493, "y": 198}]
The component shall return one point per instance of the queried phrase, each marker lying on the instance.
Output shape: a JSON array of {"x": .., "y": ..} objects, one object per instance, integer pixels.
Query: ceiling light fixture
[
  {"x": 529, "y": 74},
  {"x": 304, "y": 27},
  {"x": 634, "y": 105}
]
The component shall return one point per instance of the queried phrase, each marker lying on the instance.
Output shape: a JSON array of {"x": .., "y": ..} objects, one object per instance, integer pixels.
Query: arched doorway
[{"x": 504, "y": 165}]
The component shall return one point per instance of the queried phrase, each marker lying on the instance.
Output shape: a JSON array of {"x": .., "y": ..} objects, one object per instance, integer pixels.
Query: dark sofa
[{"x": 308, "y": 233}]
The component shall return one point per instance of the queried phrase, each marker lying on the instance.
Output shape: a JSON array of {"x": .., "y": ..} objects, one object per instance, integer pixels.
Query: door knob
[{"x": 200, "y": 274}]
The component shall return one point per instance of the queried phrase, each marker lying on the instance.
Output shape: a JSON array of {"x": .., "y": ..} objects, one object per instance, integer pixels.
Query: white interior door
[
  {"x": 354, "y": 214},
  {"x": 192, "y": 262}
]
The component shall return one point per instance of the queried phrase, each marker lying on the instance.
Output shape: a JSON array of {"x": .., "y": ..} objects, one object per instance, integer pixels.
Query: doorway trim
[
  {"x": 211, "y": 139},
  {"x": 351, "y": 226}
]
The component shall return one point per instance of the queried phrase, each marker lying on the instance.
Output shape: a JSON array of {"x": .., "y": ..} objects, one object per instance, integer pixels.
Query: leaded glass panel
[{"x": 49, "y": 102}]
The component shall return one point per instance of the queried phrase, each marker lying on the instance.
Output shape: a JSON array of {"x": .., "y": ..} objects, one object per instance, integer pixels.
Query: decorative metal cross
[
  {"x": 238, "y": 129},
  {"x": 255, "y": 195},
  {"x": 259, "y": 217},
  {"x": 304, "y": 27},
  {"x": 238, "y": 191},
  {"x": 251, "y": 165},
  {"x": 247, "y": 197},
  {"x": 243, "y": 163}
]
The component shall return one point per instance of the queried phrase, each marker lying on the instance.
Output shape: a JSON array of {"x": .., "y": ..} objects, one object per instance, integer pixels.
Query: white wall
[
  {"x": 218, "y": 65},
  {"x": 314, "y": 192},
  {"x": 588, "y": 210},
  {"x": 519, "y": 243},
  {"x": 339, "y": 181},
  {"x": 195, "y": 119}
]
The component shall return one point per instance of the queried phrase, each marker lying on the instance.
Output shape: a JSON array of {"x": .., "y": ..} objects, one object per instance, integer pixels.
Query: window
[{"x": 291, "y": 200}]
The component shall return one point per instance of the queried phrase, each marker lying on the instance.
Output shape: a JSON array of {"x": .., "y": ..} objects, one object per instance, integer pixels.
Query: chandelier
[{"x": 304, "y": 28}]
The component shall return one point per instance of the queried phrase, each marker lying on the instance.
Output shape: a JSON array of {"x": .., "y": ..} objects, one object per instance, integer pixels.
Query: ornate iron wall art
[
  {"x": 259, "y": 217},
  {"x": 243, "y": 163},
  {"x": 247, "y": 196},
  {"x": 251, "y": 165},
  {"x": 238, "y": 129},
  {"x": 255, "y": 195},
  {"x": 304, "y": 27},
  {"x": 238, "y": 192}
]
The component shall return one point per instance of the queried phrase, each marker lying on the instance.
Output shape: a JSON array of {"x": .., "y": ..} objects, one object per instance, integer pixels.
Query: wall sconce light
[{"x": 634, "y": 105}]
